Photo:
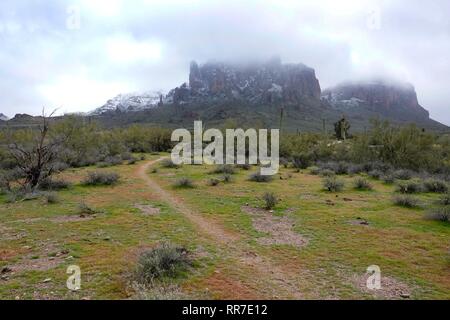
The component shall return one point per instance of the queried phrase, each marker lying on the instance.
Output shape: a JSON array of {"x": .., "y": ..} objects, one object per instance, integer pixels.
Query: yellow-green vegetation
[{"x": 312, "y": 244}]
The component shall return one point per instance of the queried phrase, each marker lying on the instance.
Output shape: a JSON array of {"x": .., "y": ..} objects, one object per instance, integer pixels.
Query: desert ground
[{"x": 313, "y": 244}]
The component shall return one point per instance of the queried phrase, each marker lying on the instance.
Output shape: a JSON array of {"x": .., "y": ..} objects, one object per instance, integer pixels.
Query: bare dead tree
[{"x": 35, "y": 161}]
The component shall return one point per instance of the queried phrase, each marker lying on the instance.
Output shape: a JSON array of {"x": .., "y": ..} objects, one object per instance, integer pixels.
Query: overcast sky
[{"x": 75, "y": 55}]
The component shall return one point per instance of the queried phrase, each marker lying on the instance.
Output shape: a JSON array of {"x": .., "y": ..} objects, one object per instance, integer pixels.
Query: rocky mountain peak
[
  {"x": 3, "y": 117},
  {"x": 256, "y": 83},
  {"x": 387, "y": 98}
]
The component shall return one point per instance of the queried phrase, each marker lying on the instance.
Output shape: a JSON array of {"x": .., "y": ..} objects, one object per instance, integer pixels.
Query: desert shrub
[
  {"x": 113, "y": 160},
  {"x": 444, "y": 200},
  {"x": 166, "y": 260},
  {"x": 375, "y": 174},
  {"x": 97, "y": 178},
  {"x": 51, "y": 197},
  {"x": 132, "y": 160},
  {"x": 388, "y": 178},
  {"x": 223, "y": 169},
  {"x": 85, "y": 209},
  {"x": 362, "y": 184},
  {"x": 12, "y": 196},
  {"x": 412, "y": 186},
  {"x": 9, "y": 178},
  {"x": 184, "y": 183},
  {"x": 340, "y": 167},
  {"x": 355, "y": 169},
  {"x": 301, "y": 161},
  {"x": 154, "y": 170},
  {"x": 284, "y": 162},
  {"x": 103, "y": 164},
  {"x": 270, "y": 200},
  {"x": 439, "y": 214},
  {"x": 245, "y": 166},
  {"x": 60, "y": 166},
  {"x": 168, "y": 163},
  {"x": 315, "y": 170},
  {"x": 22, "y": 194},
  {"x": 213, "y": 182},
  {"x": 127, "y": 156},
  {"x": 376, "y": 165},
  {"x": 327, "y": 173},
  {"x": 227, "y": 178},
  {"x": 53, "y": 184},
  {"x": 258, "y": 177},
  {"x": 403, "y": 174},
  {"x": 333, "y": 184},
  {"x": 30, "y": 195},
  {"x": 162, "y": 290},
  {"x": 435, "y": 185},
  {"x": 406, "y": 201}
]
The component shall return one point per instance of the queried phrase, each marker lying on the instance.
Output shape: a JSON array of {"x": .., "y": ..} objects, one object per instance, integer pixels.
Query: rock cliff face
[
  {"x": 398, "y": 100},
  {"x": 219, "y": 91},
  {"x": 270, "y": 82}
]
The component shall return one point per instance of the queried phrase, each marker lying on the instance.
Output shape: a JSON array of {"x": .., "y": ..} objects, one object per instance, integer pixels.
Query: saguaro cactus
[{"x": 342, "y": 128}]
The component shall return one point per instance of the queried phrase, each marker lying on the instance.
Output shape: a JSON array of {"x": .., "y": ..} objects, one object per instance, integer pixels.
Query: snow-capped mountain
[
  {"x": 3, "y": 117},
  {"x": 131, "y": 102}
]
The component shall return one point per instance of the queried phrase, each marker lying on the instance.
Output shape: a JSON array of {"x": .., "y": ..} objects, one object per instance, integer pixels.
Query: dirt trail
[
  {"x": 279, "y": 284},
  {"x": 206, "y": 226}
]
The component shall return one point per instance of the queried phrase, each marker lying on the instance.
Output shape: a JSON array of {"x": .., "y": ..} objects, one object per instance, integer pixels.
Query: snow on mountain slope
[
  {"x": 131, "y": 102},
  {"x": 3, "y": 117}
]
